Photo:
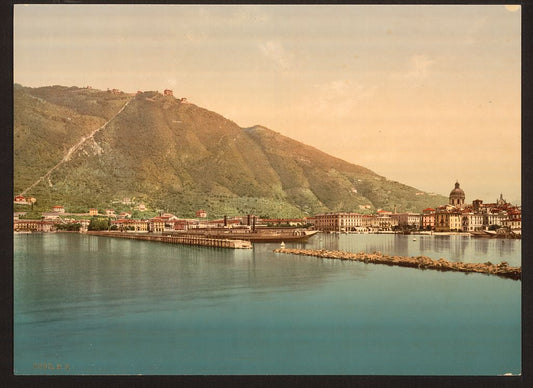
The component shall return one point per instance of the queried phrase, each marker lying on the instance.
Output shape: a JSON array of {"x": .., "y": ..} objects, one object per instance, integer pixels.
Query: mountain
[{"x": 178, "y": 157}]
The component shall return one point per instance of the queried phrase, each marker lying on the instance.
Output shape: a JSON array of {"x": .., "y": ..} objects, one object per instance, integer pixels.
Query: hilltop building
[
  {"x": 58, "y": 209},
  {"x": 21, "y": 200}
]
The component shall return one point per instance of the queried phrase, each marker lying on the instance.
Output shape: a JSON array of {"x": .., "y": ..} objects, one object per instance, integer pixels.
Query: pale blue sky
[{"x": 420, "y": 94}]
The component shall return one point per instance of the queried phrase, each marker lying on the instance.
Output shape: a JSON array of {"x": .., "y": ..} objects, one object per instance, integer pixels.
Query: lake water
[{"x": 97, "y": 305}]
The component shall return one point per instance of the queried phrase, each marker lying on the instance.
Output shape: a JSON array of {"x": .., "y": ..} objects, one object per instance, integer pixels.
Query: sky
[{"x": 421, "y": 94}]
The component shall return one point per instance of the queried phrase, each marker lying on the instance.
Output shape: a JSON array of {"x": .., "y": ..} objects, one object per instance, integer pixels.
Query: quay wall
[
  {"x": 422, "y": 262},
  {"x": 186, "y": 240}
]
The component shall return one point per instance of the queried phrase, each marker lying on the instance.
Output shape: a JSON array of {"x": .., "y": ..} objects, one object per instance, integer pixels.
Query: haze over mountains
[{"x": 178, "y": 157}]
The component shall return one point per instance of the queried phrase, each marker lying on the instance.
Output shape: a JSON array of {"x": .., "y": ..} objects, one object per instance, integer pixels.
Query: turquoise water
[{"x": 112, "y": 306}]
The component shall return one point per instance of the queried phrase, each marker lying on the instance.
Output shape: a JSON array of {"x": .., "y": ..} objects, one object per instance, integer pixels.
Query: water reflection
[
  {"x": 123, "y": 306},
  {"x": 453, "y": 248},
  {"x": 104, "y": 273}
]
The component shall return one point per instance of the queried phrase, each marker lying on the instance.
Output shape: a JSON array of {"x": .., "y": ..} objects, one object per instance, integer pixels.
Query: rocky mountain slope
[{"x": 178, "y": 157}]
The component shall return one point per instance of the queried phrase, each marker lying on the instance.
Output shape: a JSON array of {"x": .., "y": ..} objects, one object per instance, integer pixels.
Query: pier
[
  {"x": 185, "y": 239},
  {"x": 421, "y": 262}
]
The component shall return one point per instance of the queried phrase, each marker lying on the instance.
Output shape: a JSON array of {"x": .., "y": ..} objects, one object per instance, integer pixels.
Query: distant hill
[{"x": 178, "y": 157}]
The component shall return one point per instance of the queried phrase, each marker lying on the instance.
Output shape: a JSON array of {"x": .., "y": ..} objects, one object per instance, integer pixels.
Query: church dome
[{"x": 457, "y": 192}]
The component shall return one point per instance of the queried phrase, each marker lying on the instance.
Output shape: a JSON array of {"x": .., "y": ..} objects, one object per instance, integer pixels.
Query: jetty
[
  {"x": 184, "y": 239},
  {"x": 421, "y": 262}
]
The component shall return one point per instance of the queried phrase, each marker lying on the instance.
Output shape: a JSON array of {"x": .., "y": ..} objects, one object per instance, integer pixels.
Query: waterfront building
[
  {"x": 427, "y": 219},
  {"x": 514, "y": 220},
  {"x": 33, "y": 226},
  {"x": 157, "y": 225},
  {"x": 84, "y": 224},
  {"x": 134, "y": 225},
  {"x": 448, "y": 219},
  {"x": 471, "y": 222},
  {"x": 370, "y": 222},
  {"x": 338, "y": 222},
  {"x": 407, "y": 219},
  {"x": 457, "y": 196},
  {"x": 385, "y": 222},
  {"x": 166, "y": 222},
  {"x": 493, "y": 217}
]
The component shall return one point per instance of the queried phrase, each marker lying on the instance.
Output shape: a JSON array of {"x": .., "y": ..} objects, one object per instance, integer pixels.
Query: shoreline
[{"x": 421, "y": 262}]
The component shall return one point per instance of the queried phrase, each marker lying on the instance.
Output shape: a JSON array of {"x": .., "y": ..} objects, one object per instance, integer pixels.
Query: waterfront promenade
[
  {"x": 186, "y": 239},
  {"x": 420, "y": 262}
]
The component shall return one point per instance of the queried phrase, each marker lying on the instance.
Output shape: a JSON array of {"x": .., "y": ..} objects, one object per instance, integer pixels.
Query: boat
[{"x": 261, "y": 235}]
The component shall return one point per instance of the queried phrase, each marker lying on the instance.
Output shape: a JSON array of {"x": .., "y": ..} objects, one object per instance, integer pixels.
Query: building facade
[{"x": 338, "y": 222}]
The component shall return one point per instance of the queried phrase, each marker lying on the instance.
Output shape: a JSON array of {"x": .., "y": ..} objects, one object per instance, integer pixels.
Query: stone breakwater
[{"x": 422, "y": 262}]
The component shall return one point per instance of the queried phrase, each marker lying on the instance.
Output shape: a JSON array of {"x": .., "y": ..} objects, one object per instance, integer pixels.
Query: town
[{"x": 478, "y": 218}]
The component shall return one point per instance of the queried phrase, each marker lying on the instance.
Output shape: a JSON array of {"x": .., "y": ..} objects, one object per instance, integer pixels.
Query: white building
[
  {"x": 472, "y": 222},
  {"x": 338, "y": 222},
  {"x": 407, "y": 219}
]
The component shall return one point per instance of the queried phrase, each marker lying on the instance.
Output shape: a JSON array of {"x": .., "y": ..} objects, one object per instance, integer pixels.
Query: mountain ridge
[{"x": 176, "y": 156}]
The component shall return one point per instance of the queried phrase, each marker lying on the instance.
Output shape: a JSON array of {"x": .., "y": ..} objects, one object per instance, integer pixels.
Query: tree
[
  {"x": 69, "y": 227},
  {"x": 99, "y": 223}
]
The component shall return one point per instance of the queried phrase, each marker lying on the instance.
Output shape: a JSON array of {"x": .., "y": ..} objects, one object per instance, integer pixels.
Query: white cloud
[
  {"x": 417, "y": 68},
  {"x": 275, "y": 51},
  {"x": 341, "y": 97}
]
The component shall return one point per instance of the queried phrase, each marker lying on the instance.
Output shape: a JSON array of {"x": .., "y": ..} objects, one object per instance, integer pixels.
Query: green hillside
[{"x": 178, "y": 157}]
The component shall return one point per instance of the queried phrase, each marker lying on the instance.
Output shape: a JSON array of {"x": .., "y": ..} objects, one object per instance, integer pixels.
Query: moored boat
[{"x": 265, "y": 235}]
